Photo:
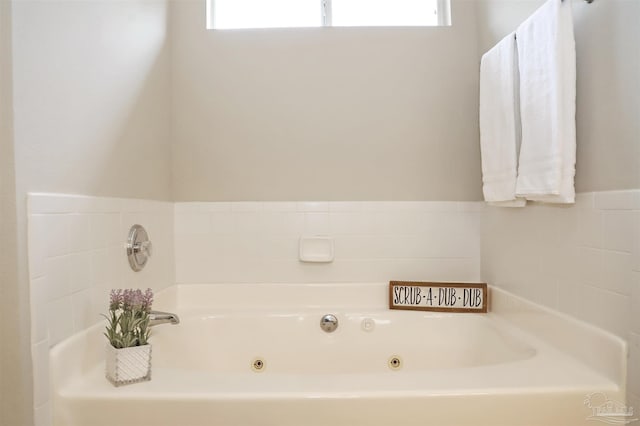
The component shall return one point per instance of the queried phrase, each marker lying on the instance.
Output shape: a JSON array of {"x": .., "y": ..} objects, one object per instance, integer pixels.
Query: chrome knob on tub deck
[{"x": 329, "y": 323}]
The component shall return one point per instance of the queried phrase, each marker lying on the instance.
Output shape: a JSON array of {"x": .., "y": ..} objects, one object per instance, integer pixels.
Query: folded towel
[
  {"x": 499, "y": 123},
  {"x": 547, "y": 63}
]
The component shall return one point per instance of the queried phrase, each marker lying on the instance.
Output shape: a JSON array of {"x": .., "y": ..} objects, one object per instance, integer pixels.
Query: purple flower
[
  {"x": 137, "y": 300},
  {"x": 147, "y": 300},
  {"x": 127, "y": 299},
  {"x": 116, "y": 299}
]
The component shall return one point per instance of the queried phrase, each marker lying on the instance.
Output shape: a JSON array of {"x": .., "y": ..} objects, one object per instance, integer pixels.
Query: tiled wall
[
  {"x": 583, "y": 260},
  {"x": 374, "y": 241},
  {"x": 76, "y": 255}
]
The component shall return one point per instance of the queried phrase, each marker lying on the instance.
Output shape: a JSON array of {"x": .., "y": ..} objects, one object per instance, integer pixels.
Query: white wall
[
  {"x": 91, "y": 97},
  {"x": 329, "y": 114},
  {"x": 15, "y": 399},
  {"x": 608, "y": 64},
  {"x": 90, "y": 116}
]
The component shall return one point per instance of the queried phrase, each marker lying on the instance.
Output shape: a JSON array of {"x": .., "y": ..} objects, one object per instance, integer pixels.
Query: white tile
[
  {"x": 56, "y": 239},
  {"x": 313, "y": 206},
  {"x": 351, "y": 223},
  {"x": 107, "y": 266},
  {"x": 150, "y": 206},
  {"x": 590, "y": 228},
  {"x": 43, "y": 415},
  {"x": 585, "y": 200},
  {"x": 617, "y": 274},
  {"x": 568, "y": 302},
  {"x": 52, "y": 203},
  {"x": 60, "y": 319},
  {"x": 395, "y": 247},
  {"x": 280, "y": 247},
  {"x": 37, "y": 245},
  {"x": 38, "y": 309},
  {"x": 605, "y": 309},
  {"x": 359, "y": 247},
  {"x": 249, "y": 222},
  {"x": 618, "y": 230},
  {"x": 345, "y": 206},
  {"x": 591, "y": 266},
  {"x": 133, "y": 205},
  {"x": 279, "y": 206},
  {"x": 101, "y": 205},
  {"x": 401, "y": 222},
  {"x": 219, "y": 206},
  {"x": 99, "y": 266},
  {"x": 105, "y": 230},
  {"x": 99, "y": 301},
  {"x": 399, "y": 206},
  {"x": 79, "y": 271},
  {"x": 194, "y": 255},
  {"x": 447, "y": 206},
  {"x": 83, "y": 312},
  {"x": 246, "y": 206},
  {"x": 376, "y": 206},
  {"x": 471, "y": 206},
  {"x": 78, "y": 232},
  {"x": 127, "y": 220},
  {"x": 316, "y": 223},
  {"x": 618, "y": 200},
  {"x": 194, "y": 207},
  {"x": 57, "y": 277},
  {"x": 283, "y": 223},
  {"x": 192, "y": 223},
  {"x": 40, "y": 353},
  {"x": 222, "y": 223}
]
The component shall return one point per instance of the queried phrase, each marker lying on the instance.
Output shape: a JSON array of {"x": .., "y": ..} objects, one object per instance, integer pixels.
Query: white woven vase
[{"x": 128, "y": 365}]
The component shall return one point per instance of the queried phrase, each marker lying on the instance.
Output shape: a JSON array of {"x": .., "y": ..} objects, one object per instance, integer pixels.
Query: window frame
[{"x": 443, "y": 12}]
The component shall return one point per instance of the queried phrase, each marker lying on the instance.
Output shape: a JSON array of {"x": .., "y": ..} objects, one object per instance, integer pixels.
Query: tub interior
[{"x": 292, "y": 342}]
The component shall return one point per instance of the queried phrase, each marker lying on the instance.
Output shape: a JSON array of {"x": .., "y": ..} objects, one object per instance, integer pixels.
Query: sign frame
[{"x": 482, "y": 286}]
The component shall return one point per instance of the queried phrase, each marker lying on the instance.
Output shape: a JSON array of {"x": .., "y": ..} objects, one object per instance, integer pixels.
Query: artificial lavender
[{"x": 128, "y": 320}]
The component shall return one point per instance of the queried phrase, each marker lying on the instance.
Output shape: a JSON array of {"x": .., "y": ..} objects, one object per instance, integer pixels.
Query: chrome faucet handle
[
  {"x": 143, "y": 247},
  {"x": 139, "y": 248}
]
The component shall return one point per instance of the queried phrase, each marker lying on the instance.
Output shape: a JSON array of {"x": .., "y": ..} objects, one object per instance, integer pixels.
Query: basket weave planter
[{"x": 128, "y": 365}]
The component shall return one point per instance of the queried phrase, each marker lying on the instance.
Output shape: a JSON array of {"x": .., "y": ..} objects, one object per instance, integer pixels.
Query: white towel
[
  {"x": 547, "y": 62},
  {"x": 499, "y": 123}
]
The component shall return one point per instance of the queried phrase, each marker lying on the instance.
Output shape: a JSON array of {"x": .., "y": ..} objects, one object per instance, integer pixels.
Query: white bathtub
[{"x": 455, "y": 369}]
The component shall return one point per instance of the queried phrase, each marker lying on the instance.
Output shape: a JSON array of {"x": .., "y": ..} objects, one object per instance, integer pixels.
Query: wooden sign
[{"x": 438, "y": 297}]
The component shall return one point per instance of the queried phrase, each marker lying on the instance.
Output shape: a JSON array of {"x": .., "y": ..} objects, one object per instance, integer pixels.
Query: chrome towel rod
[{"x": 588, "y": 1}]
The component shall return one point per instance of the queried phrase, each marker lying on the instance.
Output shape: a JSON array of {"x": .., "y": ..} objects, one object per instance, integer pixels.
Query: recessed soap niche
[{"x": 316, "y": 249}]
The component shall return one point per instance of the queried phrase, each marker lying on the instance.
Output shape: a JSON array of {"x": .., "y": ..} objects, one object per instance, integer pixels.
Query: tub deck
[{"x": 546, "y": 387}]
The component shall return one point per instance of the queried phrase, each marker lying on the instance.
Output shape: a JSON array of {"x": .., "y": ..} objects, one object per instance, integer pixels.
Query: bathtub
[{"x": 254, "y": 354}]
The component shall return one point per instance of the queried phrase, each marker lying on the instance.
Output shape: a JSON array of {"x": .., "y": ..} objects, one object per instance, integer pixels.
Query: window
[{"x": 230, "y": 14}]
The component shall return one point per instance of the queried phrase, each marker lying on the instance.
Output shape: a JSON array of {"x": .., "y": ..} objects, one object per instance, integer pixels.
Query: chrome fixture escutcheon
[
  {"x": 329, "y": 323},
  {"x": 139, "y": 248}
]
